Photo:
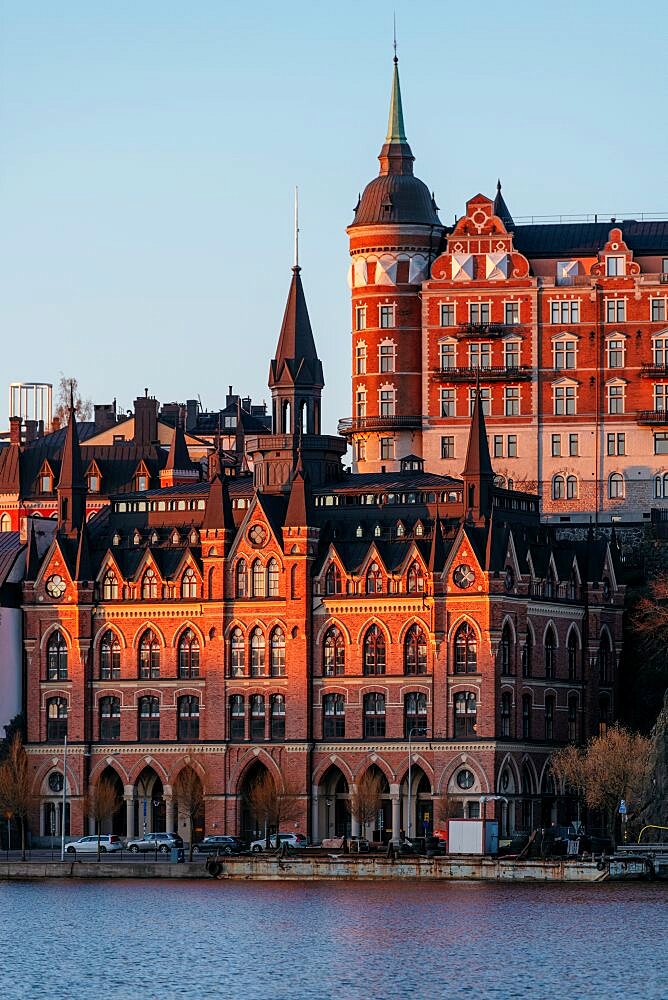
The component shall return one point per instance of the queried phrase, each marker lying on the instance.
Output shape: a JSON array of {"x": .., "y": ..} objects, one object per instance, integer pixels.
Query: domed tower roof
[{"x": 396, "y": 195}]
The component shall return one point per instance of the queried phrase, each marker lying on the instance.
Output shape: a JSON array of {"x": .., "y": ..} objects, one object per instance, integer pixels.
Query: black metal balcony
[
  {"x": 471, "y": 373},
  {"x": 649, "y": 369},
  {"x": 652, "y": 417},
  {"x": 352, "y": 425},
  {"x": 488, "y": 329},
  {"x": 544, "y": 590}
]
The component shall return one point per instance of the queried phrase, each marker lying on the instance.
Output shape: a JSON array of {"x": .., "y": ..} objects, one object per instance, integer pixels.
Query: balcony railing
[
  {"x": 652, "y": 417},
  {"x": 488, "y": 329},
  {"x": 545, "y": 591},
  {"x": 510, "y": 373},
  {"x": 649, "y": 369},
  {"x": 350, "y": 425}
]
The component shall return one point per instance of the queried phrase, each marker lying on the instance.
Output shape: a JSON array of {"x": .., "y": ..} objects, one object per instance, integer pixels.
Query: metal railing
[
  {"x": 556, "y": 591},
  {"x": 652, "y": 417},
  {"x": 349, "y": 425},
  {"x": 464, "y": 373}
]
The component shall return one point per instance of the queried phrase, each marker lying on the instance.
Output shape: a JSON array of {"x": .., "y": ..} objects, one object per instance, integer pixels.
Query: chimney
[
  {"x": 15, "y": 430},
  {"x": 105, "y": 416},
  {"x": 31, "y": 431},
  {"x": 146, "y": 419},
  {"x": 192, "y": 407}
]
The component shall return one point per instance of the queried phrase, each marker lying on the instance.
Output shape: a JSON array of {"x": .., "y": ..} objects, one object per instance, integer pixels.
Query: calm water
[{"x": 262, "y": 941}]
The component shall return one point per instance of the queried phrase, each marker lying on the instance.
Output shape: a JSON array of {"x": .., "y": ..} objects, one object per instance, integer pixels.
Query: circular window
[
  {"x": 465, "y": 779},
  {"x": 55, "y": 586},
  {"x": 56, "y": 781}
]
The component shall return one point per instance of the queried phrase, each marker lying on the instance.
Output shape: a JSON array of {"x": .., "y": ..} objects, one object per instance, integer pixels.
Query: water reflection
[{"x": 314, "y": 941}]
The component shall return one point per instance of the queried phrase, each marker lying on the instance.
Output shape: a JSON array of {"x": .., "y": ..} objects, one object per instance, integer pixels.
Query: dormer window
[
  {"x": 615, "y": 267},
  {"x": 46, "y": 483},
  {"x": 359, "y": 531},
  {"x": 175, "y": 537},
  {"x": 194, "y": 537},
  {"x": 116, "y": 540},
  {"x": 401, "y": 531},
  {"x": 136, "y": 538},
  {"x": 377, "y": 531},
  {"x": 141, "y": 482},
  {"x": 93, "y": 483},
  {"x": 154, "y": 538},
  {"x": 419, "y": 529}
]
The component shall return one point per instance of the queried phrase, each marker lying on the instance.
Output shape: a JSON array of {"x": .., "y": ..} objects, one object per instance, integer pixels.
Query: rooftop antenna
[
  {"x": 296, "y": 264},
  {"x": 394, "y": 22}
]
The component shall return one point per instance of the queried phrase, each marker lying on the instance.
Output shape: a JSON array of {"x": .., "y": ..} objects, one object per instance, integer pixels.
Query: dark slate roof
[
  {"x": 296, "y": 360},
  {"x": 10, "y": 547},
  {"x": 501, "y": 209},
  {"x": 389, "y": 482},
  {"x": 587, "y": 238},
  {"x": 407, "y": 198}
]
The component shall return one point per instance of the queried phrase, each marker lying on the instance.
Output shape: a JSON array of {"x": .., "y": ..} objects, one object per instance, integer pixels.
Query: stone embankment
[{"x": 318, "y": 869}]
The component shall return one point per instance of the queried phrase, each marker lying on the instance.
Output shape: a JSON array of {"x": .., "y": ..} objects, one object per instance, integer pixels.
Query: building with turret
[
  {"x": 314, "y": 624},
  {"x": 562, "y": 326}
]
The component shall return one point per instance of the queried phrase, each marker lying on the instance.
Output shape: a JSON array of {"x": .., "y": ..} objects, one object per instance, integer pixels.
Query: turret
[
  {"x": 71, "y": 484},
  {"x": 478, "y": 474},
  {"x": 395, "y": 235}
]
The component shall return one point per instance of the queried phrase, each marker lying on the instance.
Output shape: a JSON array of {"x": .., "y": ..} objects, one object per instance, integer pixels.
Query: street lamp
[
  {"x": 328, "y": 803},
  {"x": 411, "y": 733},
  {"x": 62, "y": 818}
]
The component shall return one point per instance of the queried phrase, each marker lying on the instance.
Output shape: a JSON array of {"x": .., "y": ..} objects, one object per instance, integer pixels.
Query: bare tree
[
  {"x": 365, "y": 800},
  {"x": 189, "y": 796},
  {"x": 16, "y": 794},
  {"x": 271, "y": 804},
  {"x": 68, "y": 388},
  {"x": 448, "y": 807},
  {"x": 612, "y": 767},
  {"x": 101, "y": 803}
]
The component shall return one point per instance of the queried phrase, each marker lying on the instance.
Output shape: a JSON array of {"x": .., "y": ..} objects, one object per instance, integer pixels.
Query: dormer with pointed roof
[{"x": 179, "y": 467}]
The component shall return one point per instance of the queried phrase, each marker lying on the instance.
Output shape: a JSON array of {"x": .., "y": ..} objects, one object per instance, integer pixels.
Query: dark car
[
  {"x": 162, "y": 842},
  {"x": 219, "y": 845}
]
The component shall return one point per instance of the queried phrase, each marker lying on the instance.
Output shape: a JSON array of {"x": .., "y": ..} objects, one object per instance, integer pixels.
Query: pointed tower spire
[
  {"x": 218, "y": 513},
  {"x": 501, "y": 209},
  {"x": 71, "y": 486},
  {"x": 395, "y": 123},
  {"x": 478, "y": 473},
  {"x": 179, "y": 467},
  {"x": 396, "y": 156},
  {"x": 296, "y": 515}
]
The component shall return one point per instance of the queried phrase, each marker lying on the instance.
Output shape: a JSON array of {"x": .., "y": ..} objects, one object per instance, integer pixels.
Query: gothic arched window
[
  {"x": 188, "y": 654},
  {"x": 241, "y": 579},
  {"x": 257, "y": 652},
  {"x": 415, "y": 579},
  {"x": 237, "y": 653},
  {"x": 277, "y": 652},
  {"x": 56, "y": 657},
  {"x": 334, "y": 653},
  {"x": 273, "y": 576},
  {"x": 189, "y": 584},
  {"x": 149, "y": 586},
  {"x": 149, "y": 656},
  {"x": 415, "y": 651},
  {"x": 374, "y": 652},
  {"x": 110, "y": 656},
  {"x": 466, "y": 650}
]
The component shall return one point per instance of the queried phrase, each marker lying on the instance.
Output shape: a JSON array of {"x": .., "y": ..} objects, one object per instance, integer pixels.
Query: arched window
[
  {"x": 110, "y": 586},
  {"x": 374, "y": 652},
  {"x": 507, "y": 650},
  {"x": 506, "y": 712},
  {"x": 188, "y": 721},
  {"x": 237, "y": 653},
  {"x": 374, "y": 716},
  {"x": 466, "y": 714},
  {"x": 604, "y": 659},
  {"x": 374, "y": 579},
  {"x": 188, "y": 654},
  {"x": 237, "y": 717},
  {"x": 241, "y": 579},
  {"x": 549, "y": 717},
  {"x": 257, "y": 653},
  {"x": 558, "y": 488},
  {"x": 257, "y": 717},
  {"x": 56, "y": 720},
  {"x": 571, "y": 488},
  {"x": 189, "y": 584},
  {"x": 277, "y": 652},
  {"x": 56, "y": 657},
  {"x": 149, "y": 586},
  {"x": 149, "y": 656},
  {"x": 415, "y": 714},
  {"x": 294, "y": 589},
  {"x": 277, "y": 717},
  {"x": 259, "y": 579},
  {"x": 526, "y": 716},
  {"x": 527, "y": 655},
  {"x": 110, "y": 719},
  {"x": 415, "y": 651},
  {"x": 272, "y": 578},
  {"x": 573, "y": 718},
  {"x": 550, "y": 654},
  {"x": 603, "y": 714},
  {"x": 334, "y": 653},
  {"x": 333, "y": 717},
  {"x": 149, "y": 719},
  {"x": 5, "y": 523},
  {"x": 415, "y": 579},
  {"x": 333, "y": 580},
  {"x": 572, "y": 656},
  {"x": 110, "y": 656},
  {"x": 466, "y": 650},
  {"x": 615, "y": 486}
]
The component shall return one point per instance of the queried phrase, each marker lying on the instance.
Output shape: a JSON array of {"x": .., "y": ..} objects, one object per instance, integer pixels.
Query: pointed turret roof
[
  {"x": 296, "y": 515},
  {"x": 296, "y": 360},
  {"x": 395, "y": 124},
  {"x": 478, "y": 461},
  {"x": 179, "y": 457},
  {"x": 218, "y": 513},
  {"x": 71, "y": 468},
  {"x": 82, "y": 570},
  {"x": 501, "y": 209}
]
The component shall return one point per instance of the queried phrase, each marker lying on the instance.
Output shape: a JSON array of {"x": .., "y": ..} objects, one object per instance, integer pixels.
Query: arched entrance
[
  {"x": 381, "y": 828},
  {"x": 333, "y": 805},
  {"x": 250, "y": 828},
  {"x": 420, "y": 810},
  {"x": 118, "y": 822},
  {"x": 188, "y": 805},
  {"x": 150, "y": 814}
]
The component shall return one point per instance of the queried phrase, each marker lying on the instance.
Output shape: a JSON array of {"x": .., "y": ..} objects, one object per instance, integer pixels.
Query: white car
[
  {"x": 292, "y": 839},
  {"x": 88, "y": 845}
]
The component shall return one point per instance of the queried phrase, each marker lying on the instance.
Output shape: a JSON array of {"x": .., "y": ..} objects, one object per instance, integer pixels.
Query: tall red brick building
[
  {"x": 314, "y": 623},
  {"x": 565, "y": 326}
]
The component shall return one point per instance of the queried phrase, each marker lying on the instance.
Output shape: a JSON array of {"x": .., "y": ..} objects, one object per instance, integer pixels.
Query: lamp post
[
  {"x": 62, "y": 818},
  {"x": 328, "y": 803},
  {"x": 411, "y": 733}
]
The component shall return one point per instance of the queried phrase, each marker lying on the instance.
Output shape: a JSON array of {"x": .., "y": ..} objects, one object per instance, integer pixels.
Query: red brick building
[
  {"x": 565, "y": 326},
  {"x": 312, "y": 623}
]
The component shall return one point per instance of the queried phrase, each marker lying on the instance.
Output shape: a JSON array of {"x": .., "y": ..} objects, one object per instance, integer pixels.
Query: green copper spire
[{"x": 395, "y": 124}]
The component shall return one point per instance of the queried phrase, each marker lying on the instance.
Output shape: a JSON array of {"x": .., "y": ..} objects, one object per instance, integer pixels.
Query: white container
[{"x": 473, "y": 836}]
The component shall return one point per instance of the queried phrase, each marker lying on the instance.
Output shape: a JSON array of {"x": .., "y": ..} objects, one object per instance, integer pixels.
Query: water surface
[{"x": 121, "y": 940}]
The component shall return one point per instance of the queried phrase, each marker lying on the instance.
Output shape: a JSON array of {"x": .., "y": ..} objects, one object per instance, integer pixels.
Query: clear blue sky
[{"x": 149, "y": 150}]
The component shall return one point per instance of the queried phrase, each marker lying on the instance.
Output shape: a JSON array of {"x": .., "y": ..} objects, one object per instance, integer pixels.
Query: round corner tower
[{"x": 394, "y": 237}]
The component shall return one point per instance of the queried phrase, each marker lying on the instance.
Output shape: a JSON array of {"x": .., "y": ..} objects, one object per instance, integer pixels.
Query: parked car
[
  {"x": 163, "y": 842},
  {"x": 219, "y": 844},
  {"x": 88, "y": 845},
  {"x": 291, "y": 839}
]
